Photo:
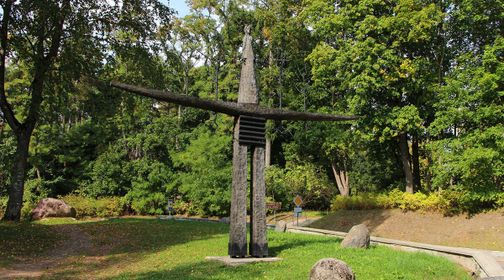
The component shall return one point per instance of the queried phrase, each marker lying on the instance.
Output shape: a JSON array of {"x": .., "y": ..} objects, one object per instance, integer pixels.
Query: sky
[{"x": 178, "y": 5}]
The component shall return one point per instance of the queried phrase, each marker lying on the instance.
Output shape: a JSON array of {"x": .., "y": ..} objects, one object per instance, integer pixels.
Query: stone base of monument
[{"x": 227, "y": 260}]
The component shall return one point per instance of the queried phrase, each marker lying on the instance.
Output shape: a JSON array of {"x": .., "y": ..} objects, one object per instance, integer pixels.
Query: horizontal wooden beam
[{"x": 229, "y": 108}]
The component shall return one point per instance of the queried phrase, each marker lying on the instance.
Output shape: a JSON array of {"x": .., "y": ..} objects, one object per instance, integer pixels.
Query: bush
[
  {"x": 356, "y": 202},
  {"x": 447, "y": 201},
  {"x": 95, "y": 207},
  {"x": 3, "y": 205},
  {"x": 307, "y": 180}
]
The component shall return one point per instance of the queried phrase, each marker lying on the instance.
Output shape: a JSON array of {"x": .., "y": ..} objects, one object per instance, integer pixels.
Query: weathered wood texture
[
  {"x": 229, "y": 108},
  {"x": 247, "y": 94},
  {"x": 258, "y": 239},
  {"x": 238, "y": 219},
  {"x": 248, "y": 89}
]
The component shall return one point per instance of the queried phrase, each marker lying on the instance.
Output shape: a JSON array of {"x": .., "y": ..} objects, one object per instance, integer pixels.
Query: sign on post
[
  {"x": 298, "y": 200},
  {"x": 298, "y": 210},
  {"x": 274, "y": 205}
]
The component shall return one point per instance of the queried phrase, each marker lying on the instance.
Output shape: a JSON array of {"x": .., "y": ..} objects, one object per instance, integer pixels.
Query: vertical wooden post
[
  {"x": 237, "y": 246},
  {"x": 258, "y": 238}
]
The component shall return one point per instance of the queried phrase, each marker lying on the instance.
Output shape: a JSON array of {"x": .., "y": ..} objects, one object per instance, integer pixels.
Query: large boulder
[
  {"x": 331, "y": 269},
  {"x": 357, "y": 237},
  {"x": 51, "y": 207}
]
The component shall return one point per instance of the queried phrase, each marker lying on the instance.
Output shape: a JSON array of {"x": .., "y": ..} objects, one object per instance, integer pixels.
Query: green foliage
[
  {"x": 3, "y": 204},
  {"x": 448, "y": 202},
  {"x": 92, "y": 207},
  {"x": 204, "y": 176},
  {"x": 7, "y": 149},
  {"x": 355, "y": 202},
  {"x": 429, "y": 70},
  {"x": 307, "y": 180},
  {"x": 276, "y": 188},
  {"x": 147, "y": 193},
  {"x": 471, "y": 117}
]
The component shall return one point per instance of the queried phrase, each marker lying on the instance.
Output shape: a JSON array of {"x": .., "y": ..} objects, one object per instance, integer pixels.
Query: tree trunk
[
  {"x": 405, "y": 158},
  {"x": 341, "y": 180},
  {"x": 13, "y": 211},
  {"x": 416, "y": 164}
]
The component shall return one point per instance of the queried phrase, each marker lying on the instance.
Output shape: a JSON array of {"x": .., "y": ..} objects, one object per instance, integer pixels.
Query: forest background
[{"x": 425, "y": 75}]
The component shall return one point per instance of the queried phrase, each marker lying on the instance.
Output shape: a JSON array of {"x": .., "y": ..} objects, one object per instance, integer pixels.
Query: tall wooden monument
[
  {"x": 249, "y": 134},
  {"x": 248, "y": 138}
]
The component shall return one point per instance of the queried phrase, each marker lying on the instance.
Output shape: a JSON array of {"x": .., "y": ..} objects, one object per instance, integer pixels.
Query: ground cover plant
[{"x": 159, "y": 249}]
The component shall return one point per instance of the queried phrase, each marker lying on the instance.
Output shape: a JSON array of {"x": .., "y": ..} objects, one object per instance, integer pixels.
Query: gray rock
[
  {"x": 493, "y": 278},
  {"x": 357, "y": 237},
  {"x": 331, "y": 269},
  {"x": 280, "y": 226},
  {"x": 224, "y": 220},
  {"x": 51, "y": 207}
]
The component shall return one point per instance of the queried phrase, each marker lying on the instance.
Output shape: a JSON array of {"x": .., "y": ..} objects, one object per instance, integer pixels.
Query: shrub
[
  {"x": 95, "y": 207},
  {"x": 356, "y": 202},
  {"x": 308, "y": 180},
  {"x": 447, "y": 201},
  {"x": 3, "y": 205}
]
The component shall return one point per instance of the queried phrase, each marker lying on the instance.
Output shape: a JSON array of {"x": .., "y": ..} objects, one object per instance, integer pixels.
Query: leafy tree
[
  {"x": 70, "y": 37},
  {"x": 469, "y": 122},
  {"x": 204, "y": 169},
  {"x": 377, "y": 56}
]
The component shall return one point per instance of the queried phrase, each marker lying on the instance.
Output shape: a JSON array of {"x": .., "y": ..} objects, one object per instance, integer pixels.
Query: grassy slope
[
  {"x": 154, "y": 249},
  {"x": 483, "y": 231}
]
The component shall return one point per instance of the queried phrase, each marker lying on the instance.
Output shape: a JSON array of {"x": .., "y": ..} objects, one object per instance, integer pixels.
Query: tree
[
  {"x": 45, "y": 36},
  {"x": 469, "y": 149},
  {"x": 378, "y": 57},
  {"x": 50, "y": 36}
]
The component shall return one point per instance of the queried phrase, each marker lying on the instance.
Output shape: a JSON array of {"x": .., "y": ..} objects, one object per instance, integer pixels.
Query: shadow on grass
[
  {"x": 114, "y": 245},
  {"x": 278, "y": 246},
  {"x": 198, "y": 271},
  {"x": 80, "y": 248},
  {"x": 215, "y": 270}
]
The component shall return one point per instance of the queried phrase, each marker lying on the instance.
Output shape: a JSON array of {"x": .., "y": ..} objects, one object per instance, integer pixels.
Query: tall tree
[
  {"x": 377, "y": 56},
  {"x": 49, "y": 36},
  {"x": 47, "y": 20}
]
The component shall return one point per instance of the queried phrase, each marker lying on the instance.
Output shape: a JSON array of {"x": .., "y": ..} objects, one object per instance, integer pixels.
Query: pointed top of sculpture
[{"x": 248, "y": 88}]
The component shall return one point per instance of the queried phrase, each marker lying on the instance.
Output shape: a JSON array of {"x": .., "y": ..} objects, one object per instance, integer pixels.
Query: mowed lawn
[{"x": 136, "y": 248}]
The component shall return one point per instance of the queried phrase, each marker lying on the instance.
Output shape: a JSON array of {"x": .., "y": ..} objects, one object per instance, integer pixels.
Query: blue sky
[{"x": 178, "y": 5}]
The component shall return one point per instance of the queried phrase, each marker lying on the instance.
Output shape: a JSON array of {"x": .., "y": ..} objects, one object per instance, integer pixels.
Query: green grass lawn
[{"x": 161, "y": 249}]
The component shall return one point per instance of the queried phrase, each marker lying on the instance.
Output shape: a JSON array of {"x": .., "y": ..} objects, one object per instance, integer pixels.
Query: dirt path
[{"x": 75, "y": 243}]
